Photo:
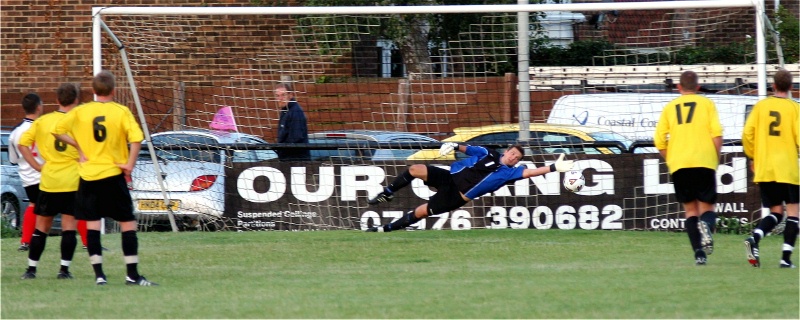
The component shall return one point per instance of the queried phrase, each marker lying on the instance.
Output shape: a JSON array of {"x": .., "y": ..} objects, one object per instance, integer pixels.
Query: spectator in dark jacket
[{"x": 293, "y": 127}]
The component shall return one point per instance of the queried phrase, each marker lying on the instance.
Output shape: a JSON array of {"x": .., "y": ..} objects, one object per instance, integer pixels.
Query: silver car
[
  {"x": 356, "y": 148},
  {"x": 14, "y": 199},
  {"x": 193, "y": 176}
]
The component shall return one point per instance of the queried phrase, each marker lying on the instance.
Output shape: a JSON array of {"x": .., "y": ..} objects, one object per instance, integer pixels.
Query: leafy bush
[
  {"x": 789, "y": 29},
  {"x": 6, "y": 231}
]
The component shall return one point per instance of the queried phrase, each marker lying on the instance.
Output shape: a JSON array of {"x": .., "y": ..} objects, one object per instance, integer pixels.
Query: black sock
[
  {"x": 789, "y": 237},
  {"x": 693, "y": 232},
  {"x": 710, "y": 218},
  {"x": 130, "y": 249},
  {"x": 95, "y": 248},
  {"x": 406, "y": 220},
  {"x": 38, "y": 242},
  {"x": 767, "y": 224},
  {"x": 401, "y": 181},
  {"x": 68, "y": 243}
]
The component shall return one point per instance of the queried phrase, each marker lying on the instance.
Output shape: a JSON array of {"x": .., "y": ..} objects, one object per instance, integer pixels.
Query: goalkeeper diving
[{"x": 483, "y": 172}]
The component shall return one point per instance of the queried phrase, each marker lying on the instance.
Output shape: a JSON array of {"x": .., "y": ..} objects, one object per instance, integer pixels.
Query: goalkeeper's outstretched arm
[{"x": 560, "y": 165}]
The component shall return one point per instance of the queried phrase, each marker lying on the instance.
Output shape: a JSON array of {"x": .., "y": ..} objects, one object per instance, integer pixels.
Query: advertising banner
[{"x": 622, "y": 192}]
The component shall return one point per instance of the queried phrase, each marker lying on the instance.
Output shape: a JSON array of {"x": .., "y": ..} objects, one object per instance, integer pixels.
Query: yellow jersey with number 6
[
  {"x": 60, "y": 168},
  {"x": 771, "y": 139},
  {"x": 686, "y": 129},
  {"x": 103, "y": 131}
]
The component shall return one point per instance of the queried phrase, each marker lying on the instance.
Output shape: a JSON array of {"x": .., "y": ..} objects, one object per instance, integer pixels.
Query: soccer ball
[{"x": 574, "y": 181}]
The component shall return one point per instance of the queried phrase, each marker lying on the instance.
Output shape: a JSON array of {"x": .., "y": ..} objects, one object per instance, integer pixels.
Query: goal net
[{"x": 381, "y": 88}]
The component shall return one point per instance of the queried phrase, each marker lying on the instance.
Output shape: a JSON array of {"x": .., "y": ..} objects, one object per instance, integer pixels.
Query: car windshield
[
  {"x": 4, "y": 154},
  {"x": 347, "y": 152},
  {"x": 611, "y": 136},
  {"x": 192, "y": 148}
]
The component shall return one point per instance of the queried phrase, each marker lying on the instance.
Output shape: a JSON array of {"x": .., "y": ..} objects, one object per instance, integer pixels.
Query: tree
[{"x": 415, "y": 36}]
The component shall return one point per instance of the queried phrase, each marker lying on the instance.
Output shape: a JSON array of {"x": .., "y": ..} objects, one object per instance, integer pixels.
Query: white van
[{"x": 635, "y": 115}]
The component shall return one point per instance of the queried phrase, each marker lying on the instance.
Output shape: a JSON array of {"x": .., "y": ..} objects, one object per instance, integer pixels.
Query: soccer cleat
[
  {"x": 751, "y": 247},
  {"x": 28, "y": 275},
  {"x": 375, "y": 229},
  {"x": 700, "y": 257},
  {"x": 141, "y": 282},
  {"x": 706, "y": 241},
  {"x": 64, "y": 275},
  {"x": 24, "y": 247},
  {"x": 381, "y": 197},
  {"x": 101, "y": 281},
  {"x": 700, "y": 261},
  {"x": 787, "y": 264}
]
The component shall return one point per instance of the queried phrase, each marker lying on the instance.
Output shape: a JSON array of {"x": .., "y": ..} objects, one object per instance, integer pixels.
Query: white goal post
[{"x": 189, "y": 67}]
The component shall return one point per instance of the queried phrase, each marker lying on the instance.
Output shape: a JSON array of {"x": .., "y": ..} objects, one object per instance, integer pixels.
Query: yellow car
[{"x": 550, "y": 134}]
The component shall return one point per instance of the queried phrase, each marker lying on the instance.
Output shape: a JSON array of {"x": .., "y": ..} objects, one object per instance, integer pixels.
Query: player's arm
[
  {"x": 26, "y": 153},
  {"x": 660, "y": 136},
  {"x": 560, "y": 165},
  {"x": 133, "y": 153},
  {"x": 717, "y": 144},
  {"x": 71, "y": 141}
]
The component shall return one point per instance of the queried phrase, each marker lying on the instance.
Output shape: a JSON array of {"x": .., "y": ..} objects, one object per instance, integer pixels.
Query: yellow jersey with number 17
[
  {"x": 771, "y": 139},
  {"x": 103, "y": 131},
  {"x": 686, "y": 129},
  {"x": 60, "y": 168}
]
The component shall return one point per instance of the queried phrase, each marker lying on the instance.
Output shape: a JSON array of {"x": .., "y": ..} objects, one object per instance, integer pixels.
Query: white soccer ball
[{"x": 574, "y": 181}]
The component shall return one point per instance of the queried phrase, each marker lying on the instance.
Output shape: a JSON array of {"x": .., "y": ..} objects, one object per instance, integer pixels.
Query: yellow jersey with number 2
[
  {"x": 103, "y": 131},
  {"x": 686, "y": 129},
  {"x": 770, "y": 138}
]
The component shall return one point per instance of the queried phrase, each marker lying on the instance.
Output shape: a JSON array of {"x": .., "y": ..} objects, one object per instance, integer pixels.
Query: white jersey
[{"x": 27, "y": 174}]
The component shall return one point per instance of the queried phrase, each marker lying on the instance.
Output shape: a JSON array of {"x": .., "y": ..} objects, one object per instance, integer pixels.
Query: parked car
[
  {"x": 14, "y": 200},
  {"x": 549, "y": 134},
  {"x": 193, "y": 175},
  {"x": 356, "y": 145}
]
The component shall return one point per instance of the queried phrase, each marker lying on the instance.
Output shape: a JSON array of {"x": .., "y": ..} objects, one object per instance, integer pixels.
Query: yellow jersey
[
  {"x": 771, "y": 139},
  {"x": 686, "y": 129},
  {"x": 60, "y": 168},
  {"x": 103, "y": 131}
]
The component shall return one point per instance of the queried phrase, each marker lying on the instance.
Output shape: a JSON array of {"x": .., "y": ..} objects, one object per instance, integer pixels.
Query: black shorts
[
  {"x": 52, "y": 203},
  {"x": 104, "y": 198},
  {"x": 776, "y": 193},
  {"x": 695, "y": 184},
  {"x": 32, "y": 192},
  {"x": 447, "y": 197}
]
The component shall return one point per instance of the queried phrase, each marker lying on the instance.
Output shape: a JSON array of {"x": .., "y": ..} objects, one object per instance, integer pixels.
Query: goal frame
[{"x": 522, "y": 8}]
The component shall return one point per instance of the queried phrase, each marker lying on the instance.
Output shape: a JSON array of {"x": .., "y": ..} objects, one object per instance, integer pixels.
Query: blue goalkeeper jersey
[{"x": 482, "y": 172}]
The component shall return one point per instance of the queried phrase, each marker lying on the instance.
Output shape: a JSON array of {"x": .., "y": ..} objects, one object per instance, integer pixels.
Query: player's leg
[
  {"x": 94, "y": 248},
  {"x": 791, "y": 230},
  {"x": 28, "y": 226},
  {"x": 706, "y": 191},
  {"x": 87, "y": 202},
  {"x": 29, "y": 217},
  {"x": 120, "y": 207},
  {"x": 38, "y": 243},
  {"x": 404, "y": 179},
  {"x": 684, "y": 193},
  {"x": 770, "y": 198},
  {"x": 81, "y": 226},
  {"x": 68, "y": 243}
]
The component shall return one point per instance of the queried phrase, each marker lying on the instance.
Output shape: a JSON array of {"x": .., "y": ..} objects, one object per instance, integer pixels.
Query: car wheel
[{"x": 10, "y": 208}]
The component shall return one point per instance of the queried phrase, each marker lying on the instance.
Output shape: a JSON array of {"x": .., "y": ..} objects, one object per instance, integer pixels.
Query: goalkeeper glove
[
  {"x": 446, "y": 148},
  {"x": 561, "y": 165}
]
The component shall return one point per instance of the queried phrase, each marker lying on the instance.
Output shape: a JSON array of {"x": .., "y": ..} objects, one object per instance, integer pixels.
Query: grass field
[{"x": 420, "y": 274}]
